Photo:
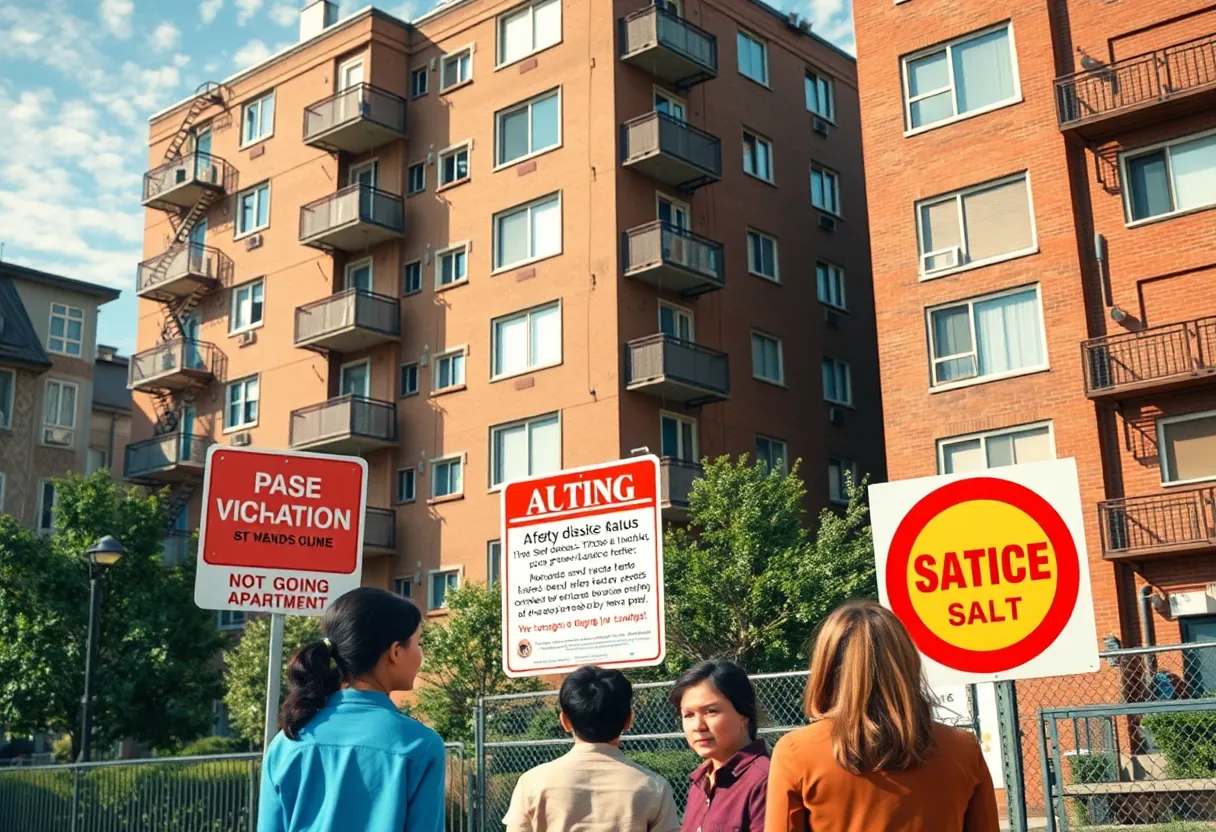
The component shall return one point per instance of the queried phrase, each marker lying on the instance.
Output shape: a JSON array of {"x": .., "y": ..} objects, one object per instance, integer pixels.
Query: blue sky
[{"x": 78, "y": 80}]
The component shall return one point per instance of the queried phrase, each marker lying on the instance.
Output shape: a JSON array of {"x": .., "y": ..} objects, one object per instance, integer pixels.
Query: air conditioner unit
[
  {"x": 831, "y": 319},
  {"x": 827, "y": 223},
  {"x": 247, "y": 338},
  {"x": 241, "y": 439},
  {"x": 252, "y": 242},
  {"x": 57, "y": 436},
  {"x": 836, "y": 416},
  {"x": 819, "y": 125},
  {"x": 943, "y": 258}
]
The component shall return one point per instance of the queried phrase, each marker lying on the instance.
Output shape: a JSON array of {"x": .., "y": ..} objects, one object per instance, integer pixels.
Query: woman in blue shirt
[{"x": 346, "y": 758}]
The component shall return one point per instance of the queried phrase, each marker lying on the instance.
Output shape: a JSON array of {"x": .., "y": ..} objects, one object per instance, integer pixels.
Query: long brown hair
[{"x": 866, "y": 678}]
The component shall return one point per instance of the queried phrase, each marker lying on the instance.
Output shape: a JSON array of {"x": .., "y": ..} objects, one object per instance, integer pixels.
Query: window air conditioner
[
  {"x": 241, "y": 439},
  {"x": 57, "y": 436},
  {"x": 252, "y": 242},
  {"x": 943, "y": 258},
  {"x": 248, "y": 338},
  {"x": 836, "y": 416},
  {"x": 819, "y": 125},
  {"x": 827, "y": 223}
]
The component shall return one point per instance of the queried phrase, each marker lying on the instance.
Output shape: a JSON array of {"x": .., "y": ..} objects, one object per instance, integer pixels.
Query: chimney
[{"x": 316, "y": 17}]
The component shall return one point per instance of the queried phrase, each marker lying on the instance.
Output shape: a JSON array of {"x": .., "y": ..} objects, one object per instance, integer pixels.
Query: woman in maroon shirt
[{"x": 717, "y": 706}]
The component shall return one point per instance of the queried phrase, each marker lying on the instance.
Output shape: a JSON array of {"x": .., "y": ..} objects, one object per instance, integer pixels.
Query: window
[
  {"x": 837, "y": 382},
  {"x": 253, "y": 209},
  {"x": 529, "y": 128},
  {"x": 96, "y": 460},
  {"x": 771, "y": 453},
  {"x": 820, "y": 95},
  {"x": 967, "y": 76},
  {"x": 494, "y": 561},
  {"x": 242, "y": 404},
  {"x": 993, "y": 449},
  {"x": 1187, "y": 447},
  {"x": 757, "y": 156},
  {"x": 825, "y": 190},
  {"x": 454, "y": 165},
  {"x": 529, "y": 232},
  {"x": 409, "y": 379},
  {"x": 66, "y": 335},
  {"x": 990, "y": 336},
  {"x": 403, "y": 587},
  {"x": 831, "y": 284},
  {"x": 257, "y": 121},
  {"x": 2, "y": 491},
  {"x": 415, "y": 179},
  {"x": 676, "y": 321},
  {"x": 668, "y": 104},
  {"x": 350, "y": 74},
  {"x": 678, "y": 437},
  {"x": 442, "y": 582},
  {"x": 230, "y": 619},
  {"x": 840, "y": 472},
  {"x": 448, "y": 371},
  {"x": 1170, "y": 179},
  {"x": 525, "y": 448},
  {"x": 419, "y": 82},
  {"x": 48, "y": 500},
  {"x": 59, "y": 413},
  {"x": 753, "y": 57},
  {"x": 456, "y": 69},
  {"x": 447, "y": 477},
  {"x": 975, "y": 226},
  {"x": 359, "y": 275},
  {"x": 452, "y": 266},
  {"x": 762, "y": 255},
  {"x": 527, "y": 340},
  {"x": 411, "y": 278},
  {"x": 246, "y": 312},
  {"x": 8, "y": 391},
  {"x": 766, "y": 358},
  {"x": 527, "y": 30},
  {"x": 407, "y": 482}
]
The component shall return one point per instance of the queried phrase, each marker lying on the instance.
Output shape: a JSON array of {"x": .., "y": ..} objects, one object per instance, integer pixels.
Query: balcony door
[
  {"x": 675, "y": 321},
  {"x": 356, "y": 379},
  {"x": 366, "y": 174},
  {"x": 677, "y": 437},
  {"x": 359, "y": 276},
  {"x": 667, "y": 103},
  {"x": 674, "y": 213},
  {"x": 350, "y": 76},
  {"x": 191, "y": 355},
  {"x": 185, "y": 433},
  {"x": 203, "y": 167}
]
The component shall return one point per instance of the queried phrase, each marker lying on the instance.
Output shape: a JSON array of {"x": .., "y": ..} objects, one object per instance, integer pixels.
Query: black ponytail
[{"x": 359, "y": 627}]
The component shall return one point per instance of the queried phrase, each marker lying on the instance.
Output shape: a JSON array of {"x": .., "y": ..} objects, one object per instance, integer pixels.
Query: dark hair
[
  {"x": 597, "y": 701},
  {"x": 358, "y": 627},
  {"x": 730, "y": 680}
]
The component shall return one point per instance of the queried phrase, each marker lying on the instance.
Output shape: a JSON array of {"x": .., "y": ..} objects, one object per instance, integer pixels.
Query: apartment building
[
  {"x": 1041, "y": 179},
  {"x": 110, "y": 427},
  {"x": 503, "y": 239},
  {"x": 48, "y": 336}
]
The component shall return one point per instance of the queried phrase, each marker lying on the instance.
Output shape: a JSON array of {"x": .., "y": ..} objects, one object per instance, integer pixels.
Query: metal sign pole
[
  {"x": 1011, "y": 754},
  {"x": 274, "y": 673}
]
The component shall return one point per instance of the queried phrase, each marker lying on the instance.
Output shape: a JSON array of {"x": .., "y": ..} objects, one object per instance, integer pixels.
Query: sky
[{"x": 78, "y": 80}]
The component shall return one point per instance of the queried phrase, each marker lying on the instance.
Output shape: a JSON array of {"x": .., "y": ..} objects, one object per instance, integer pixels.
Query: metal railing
[
  {"x": 675, "y": 480},
  {"x": 186, "y": 260},
  {"x": 354, "y": 203},
  {"x": 344, "y": 416},
  {"x": 359, "y": 102},
  {"x": 165, "y": 451},
  {"x": 1151, "y": 356},
  {"x": 170, "y": 357},
  {"x": 1154, "y": 76},
  {"x": 653, "y": 25},
  {"x": 659, "y": 242},
  {"x": 665, "y": 357},
  {"x": 348, "y": 308},
  {"x": 380, "y": 528},
  {"x": 1169, "y": 522},
  {"x": 201, "y": 168},
  {"x": 658, "y": 132}
]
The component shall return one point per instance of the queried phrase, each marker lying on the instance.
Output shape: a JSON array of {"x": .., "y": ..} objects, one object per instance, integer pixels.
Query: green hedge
[{"x": 1188, "y": 741}]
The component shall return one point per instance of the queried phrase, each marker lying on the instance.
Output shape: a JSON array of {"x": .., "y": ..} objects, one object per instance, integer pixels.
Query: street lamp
[{"x": 101, "y": 556}]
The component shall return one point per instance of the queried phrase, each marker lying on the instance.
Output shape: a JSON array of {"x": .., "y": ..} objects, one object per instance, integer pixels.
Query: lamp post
[{"x": 101, "y": 556}]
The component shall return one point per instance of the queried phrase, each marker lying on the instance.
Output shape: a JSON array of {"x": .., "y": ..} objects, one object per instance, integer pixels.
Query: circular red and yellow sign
[{"x": 984, "y": 574}]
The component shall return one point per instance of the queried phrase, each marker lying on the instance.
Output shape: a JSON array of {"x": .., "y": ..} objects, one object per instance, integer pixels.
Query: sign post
[{"x": 274, "y": 677}]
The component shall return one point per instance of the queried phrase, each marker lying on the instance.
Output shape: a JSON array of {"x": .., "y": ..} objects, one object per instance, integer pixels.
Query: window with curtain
[
  {"x": 1180, "y": 176},
  {"x": 981, "y": 224},
  {"x": 525, "y": 448},
  {"x": 987, "y": 336},
  {"x": 527, "y": 340},
  {"x": 753, "y": 57},
  {"x": 994, "y": 449},
  {"x": 968, "y": 75},
  {"x": 59, "y": 413},
  {"x": 529, "y": 232},
  {"x": 1188, "y": 447},
  {"x": 527, "y": 30},
  {"x": 766, "y": 358},
  {"x": 528, "y": 128},
  {"x": 830, "y": 280}
]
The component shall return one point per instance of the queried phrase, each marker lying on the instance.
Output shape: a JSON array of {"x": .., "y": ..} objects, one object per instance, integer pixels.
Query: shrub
[
  {"x": 1091, "y": 768},
  {"x": 209, "y": 746},
  {"x": 61, "y": 749},
  {"x": 1188, "y": 741}
]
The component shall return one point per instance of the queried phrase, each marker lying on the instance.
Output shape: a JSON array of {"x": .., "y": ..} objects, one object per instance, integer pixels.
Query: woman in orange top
[{"x": 873, "y": 760}]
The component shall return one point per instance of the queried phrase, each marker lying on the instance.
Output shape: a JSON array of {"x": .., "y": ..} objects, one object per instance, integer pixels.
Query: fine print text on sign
[
  {"x": 280, "y": 531},
  {"x": 583, "y": 569},
  {"x": 988, "y": 571}
]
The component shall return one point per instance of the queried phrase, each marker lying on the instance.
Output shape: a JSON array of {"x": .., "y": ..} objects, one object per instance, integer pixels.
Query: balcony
[
  {"x": 355, "y": 120},
  {"x": 379, "y": 531},
  {"x": 169, "y": 458},
  {"x": 1165, "y": 357},
  {"x": 677, "y": 370},
  {"x": 173, "y": 365},
  {"x": 668, "y": 47},
  {"x": 344, "y": 425},
  {"x": 675, "y": 484},
  {"x": 355, "y": 218},
  {"x": 181, "y": 182},
  {"x": 1136, "y": 527},
  {"x": 671, "y": 151},
  {"x": 348, "y": 321},
  {"x": 1173, "y": 81},
  {"x": 181, "y": 271},
  {"x": 675, "y": 259}
]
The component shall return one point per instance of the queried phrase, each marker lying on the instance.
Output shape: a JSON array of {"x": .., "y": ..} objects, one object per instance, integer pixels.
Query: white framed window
[
  {"x": 365, "y": 173},
  {"x": 350, "y": 73},
  {"x": 420, "y": 82},
  {"x": 454, "y": 165},
  {"x": 528, "y": 129},
  {"x": 762, "y": 255},
  {"x": 447, "y": 477},
  {"x": 522, "y": 449},
  {"x": 404, "y": 587},
  {"x": 359, "y": 275},
  {"x": 668, "y": 104},
  {"x": 411, "y": 278},
  {"x": 678, "y": 437},
  {"x": 830, "y": 282},
  {"x": 494, "y": 561},
  {"x": 66, "y": 334},
  {"x": 526, "y": 341},
  {"x": 825, "y": 189},
  {"x": 407, "y": 485},
  {"x": 1186, "y": 445},
  {"x": 8, "y": 396},
  {"x": 988, "y": 337},
  {"x": 996, "y": 448},
  {"x": 1170, "y": 178},
  {"x": 227, "y": 620},
  {"x": 443, "y": 581},
  {"x": 757, "y": 156},
  {"x": 771, "y": 453},
  {"x": 529, "y": 29},
  {"x": 409, "y": 379},
  {"x": 246, "y": 306},
  {"x": 452, "y": 265},
  {"x": 48, "y": 501},
  {"x": 447, "y": 370},
  {"x": 415, "y": 179},
  {"x": 767, "y": 361},
  {"x": 456, "y": 69},
  {"x": 963, "y": 77},
  {"x": 59, "y": 413},
  {"x": 838, "y": 482},
  {"x": 820, "y": 95},
  {"x": 677, "y": 321},
  {"x": 753, "y": 57},
  {"x": 96, "y": 460},
  {"x": 241, "y": 404},
  {"x": 975, "y": 226},
  {"x": 253, "y": 209},
  {"x": 257, "y": 119},
  {"x": 527, "y": 233},
  {"x": 355, "y": 378},
  {"x": 837, "y": 382}
]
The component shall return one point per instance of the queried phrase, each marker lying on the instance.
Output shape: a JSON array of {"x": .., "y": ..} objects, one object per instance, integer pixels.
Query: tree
[
  {"x": 245, "y": 671},
  {"x": 155, "y": 680},
  {"x": 746, "y": 580}
]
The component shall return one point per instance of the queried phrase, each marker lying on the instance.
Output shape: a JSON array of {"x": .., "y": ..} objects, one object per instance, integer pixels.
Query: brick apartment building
[
  {"x": 1040, "y": 175},
  {"x": 507, "y": 238}
]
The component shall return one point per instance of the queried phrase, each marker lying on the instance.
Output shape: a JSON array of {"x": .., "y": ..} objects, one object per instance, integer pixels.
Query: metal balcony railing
[
  {"x": 694, "y": 50},
  {"x": 380, "y": 528},
  {"x": 188, "y": 169},
  {"x": 353, "y": 204},
  {"x": 666, "y": 361},
  {"x": 181, "y": 356},
  {"x": 1153, "y": 358},
  {"x": 189, "y": 260},
  {"x": 348, "y": 308},
  {"x": 659, "y": 133},
  {"x": 360, "y": 103},
  {"x": 1137, "y": 81},
  {"x": 341, "y": 418},
  {"x": 658, "y": 244},
  {"x": 1160, "y": 524},
  {"x": 163, "y": 453},
  {"x": 675, "y": 481}
]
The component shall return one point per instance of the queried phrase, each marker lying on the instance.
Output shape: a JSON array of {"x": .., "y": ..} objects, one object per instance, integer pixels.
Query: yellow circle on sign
[{"x": 982, "y": 575}]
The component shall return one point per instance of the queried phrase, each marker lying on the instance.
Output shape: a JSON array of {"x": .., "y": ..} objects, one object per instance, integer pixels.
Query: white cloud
[
  {"x": 25, "y": 37},
  {"x": 115, "y": 16},
  {"x": 164, "y": 37},
  {"x": 284, "y": 14},
  {"x": 253, "y": 52},
  {"x": 831, "y": 20},
  {"x": 411, "y": 9},
  {"x": 180, "y": 60},
  {"x": 208, "y": 9},
  {"x": 246, "y": 9}
]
